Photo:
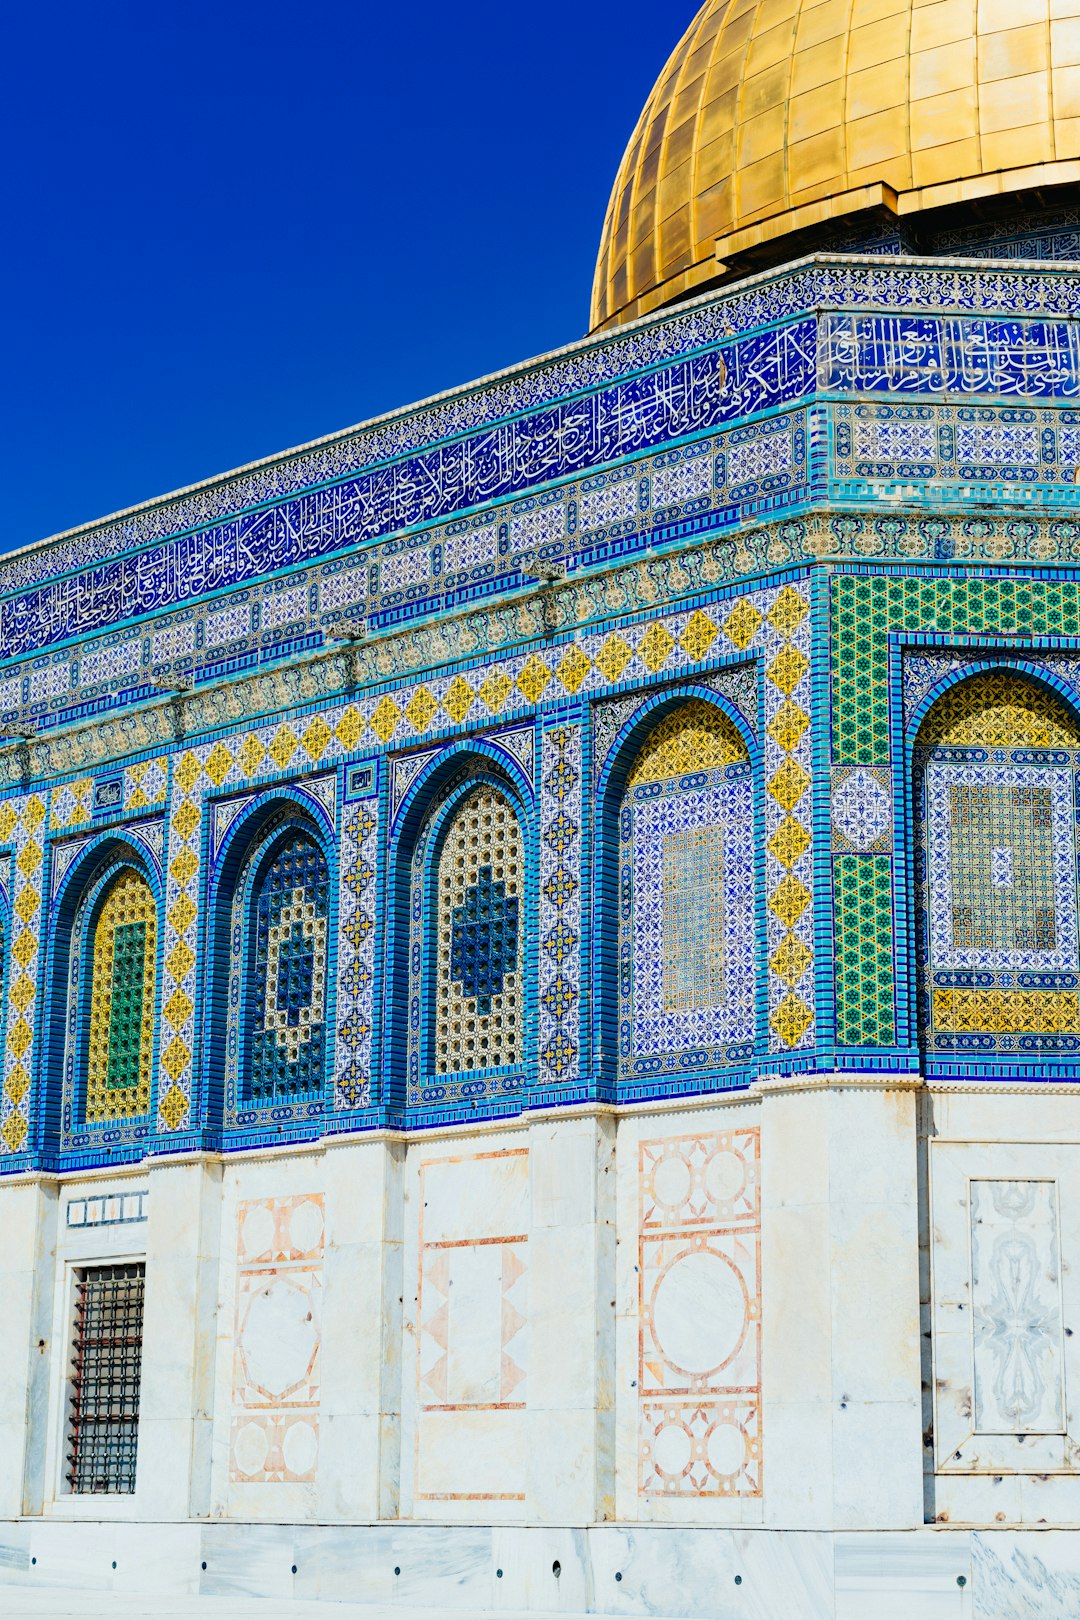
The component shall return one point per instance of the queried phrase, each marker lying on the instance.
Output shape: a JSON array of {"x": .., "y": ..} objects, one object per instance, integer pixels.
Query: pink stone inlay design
[
  {"x": 699, "y": 1304},
  {"x": 277, "y": 1340}
]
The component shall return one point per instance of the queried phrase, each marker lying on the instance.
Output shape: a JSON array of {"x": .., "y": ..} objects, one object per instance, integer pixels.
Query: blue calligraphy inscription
[
  {"x": 719, "y": 386},
  {"x": 928, "y": 354}
]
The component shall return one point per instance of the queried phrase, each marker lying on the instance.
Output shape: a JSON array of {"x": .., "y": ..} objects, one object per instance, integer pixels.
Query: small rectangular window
[{"x": 103, "y": 1426}]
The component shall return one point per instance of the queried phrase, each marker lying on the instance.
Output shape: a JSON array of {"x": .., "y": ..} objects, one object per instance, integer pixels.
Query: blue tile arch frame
[
  {"x": 268, "y": 818},
  {"x": 61, "y": 1141},
  {"x": 604, "y": 966},
  {"x": 1031, "y": 657},
  {"x": 424, "y": 814}
]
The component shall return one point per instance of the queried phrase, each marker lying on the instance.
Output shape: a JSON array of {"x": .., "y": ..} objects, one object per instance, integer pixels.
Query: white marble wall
[
  {"x": 666, "y": 1321},
  {"x": 1002, "y": 1290}
]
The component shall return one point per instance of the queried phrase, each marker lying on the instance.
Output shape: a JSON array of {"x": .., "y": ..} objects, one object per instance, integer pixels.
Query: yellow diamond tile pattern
[
  {"x": 495, "y": 691},
  {"x": 350, "y": 728},
  {"x": 787, "y": 725},
  {"x": 21, "y": 994},
  {"x": 613, "y": 657},
  {"x": 180, "y": 960},
  {"x": 572, "y": 670},
  {"x": 18, "y": 1084},
  {"x": 789, "y": 841},
  {"x": 14, "y": 1132},
  {"x": 186, "y": 819},
  {"x": 175, "y": 1058},
  {"x": 742, "y": 623},
  {"x": 698, "y": 636},
  {"x": 8, "y": 820},
  {"x": 184, "y": 866},
  {"x": 534, "y": 679},
  {"x": 789, "y": 900},
  {"x": 174, "y": 1107},
  {"x": 218, "y": 763},
  {"x": 787, "y": 669},
  {"x": 187, "y": 773},
  {"x": 20, "y": 1036},
  {"x": 791, "y": 1019},
  {"x": 182, "y": 913},
  {"x": 29, "y": 859},
  {"x": 178, "y": 1009},
  {"x": 459, "y": 699},
  {"x": 316, "y": 739},
  {"x": 283, "y": 747},
  {"x": 791, "y": 960},
  {"x": 384, "y": 722},
  {"x": 654, "y": 648},
  {"x": 26, "y": 906},
  {"x": 788, "y": 783},
  {"x": 251, "y": 755},
  {"x": 788, "y": 612}
]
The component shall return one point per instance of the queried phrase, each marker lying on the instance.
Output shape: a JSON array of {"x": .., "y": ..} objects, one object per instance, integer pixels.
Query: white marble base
[{"x": 666, "y": 1572}]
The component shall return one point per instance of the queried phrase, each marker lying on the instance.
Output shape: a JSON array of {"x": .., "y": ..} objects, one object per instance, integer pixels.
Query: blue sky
[{"x": 233, "y": 227}]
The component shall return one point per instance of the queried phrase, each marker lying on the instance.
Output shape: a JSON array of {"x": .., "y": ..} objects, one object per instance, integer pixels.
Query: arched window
[
  {"x": 119, "y": 1017},
  {"x": 467, "y": 940},
  {"x": 995, "y": 769},
  {"x": 284, "y": 1039},
  {"x": 686, "y": 927}
]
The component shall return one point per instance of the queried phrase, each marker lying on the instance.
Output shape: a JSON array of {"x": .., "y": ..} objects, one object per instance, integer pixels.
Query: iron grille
[{"x": 104, "y": 1424}]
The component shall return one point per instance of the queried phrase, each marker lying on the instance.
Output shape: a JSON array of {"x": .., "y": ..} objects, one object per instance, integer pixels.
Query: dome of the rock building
[{"x": 776, "y": 116}]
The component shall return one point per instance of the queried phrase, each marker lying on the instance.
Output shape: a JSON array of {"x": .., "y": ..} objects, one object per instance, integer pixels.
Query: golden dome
[{"x": 774, "y": 115}]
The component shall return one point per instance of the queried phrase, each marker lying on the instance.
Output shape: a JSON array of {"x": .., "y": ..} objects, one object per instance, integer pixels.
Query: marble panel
[
  {"x": 277, "y": 1340},
  {"x": 1005, "y": 1222},
  {"x": 471, "y": 1330},
  {"x": 895, "y": 1576}
]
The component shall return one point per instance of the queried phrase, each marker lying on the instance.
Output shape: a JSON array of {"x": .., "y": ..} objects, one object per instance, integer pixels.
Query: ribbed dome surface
[{"x": 775, "y": 114}]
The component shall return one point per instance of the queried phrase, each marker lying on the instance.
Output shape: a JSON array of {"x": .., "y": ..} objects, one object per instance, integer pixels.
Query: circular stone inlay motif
[
  {"x": 726, "y": 1448},
  {"x": 671, "y": 1181},
  {"x": 725, "y": 1176},
  {"x": 671, "y": 1449},
  {"x": 699, "y": 1312}
]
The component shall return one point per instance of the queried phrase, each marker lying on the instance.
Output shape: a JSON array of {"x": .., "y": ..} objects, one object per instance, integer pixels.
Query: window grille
[{"x": 107, "y": 1367}]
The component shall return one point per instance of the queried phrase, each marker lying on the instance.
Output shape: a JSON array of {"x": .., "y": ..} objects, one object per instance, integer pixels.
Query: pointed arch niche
[
  {"x": 272, "y": 997},
  {"x": 681, "y": 849},
  {"x": 105, "y": 977},
  {"x": 463, "y": 900},
  {"x": 995, "y": 770}
]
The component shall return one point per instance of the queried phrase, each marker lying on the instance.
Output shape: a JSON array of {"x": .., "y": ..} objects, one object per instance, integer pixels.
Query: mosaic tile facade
[
  {"x": 122, "y": 1007},
  {"x": 466, "y": 954},
  {"x": 559, "y": 906},
  {"x": 996, "y": 766},
  {"x": 815, "y": 497},
  {"x": 686, "y": 898},
  {"x": 286, "y": 1033}
]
